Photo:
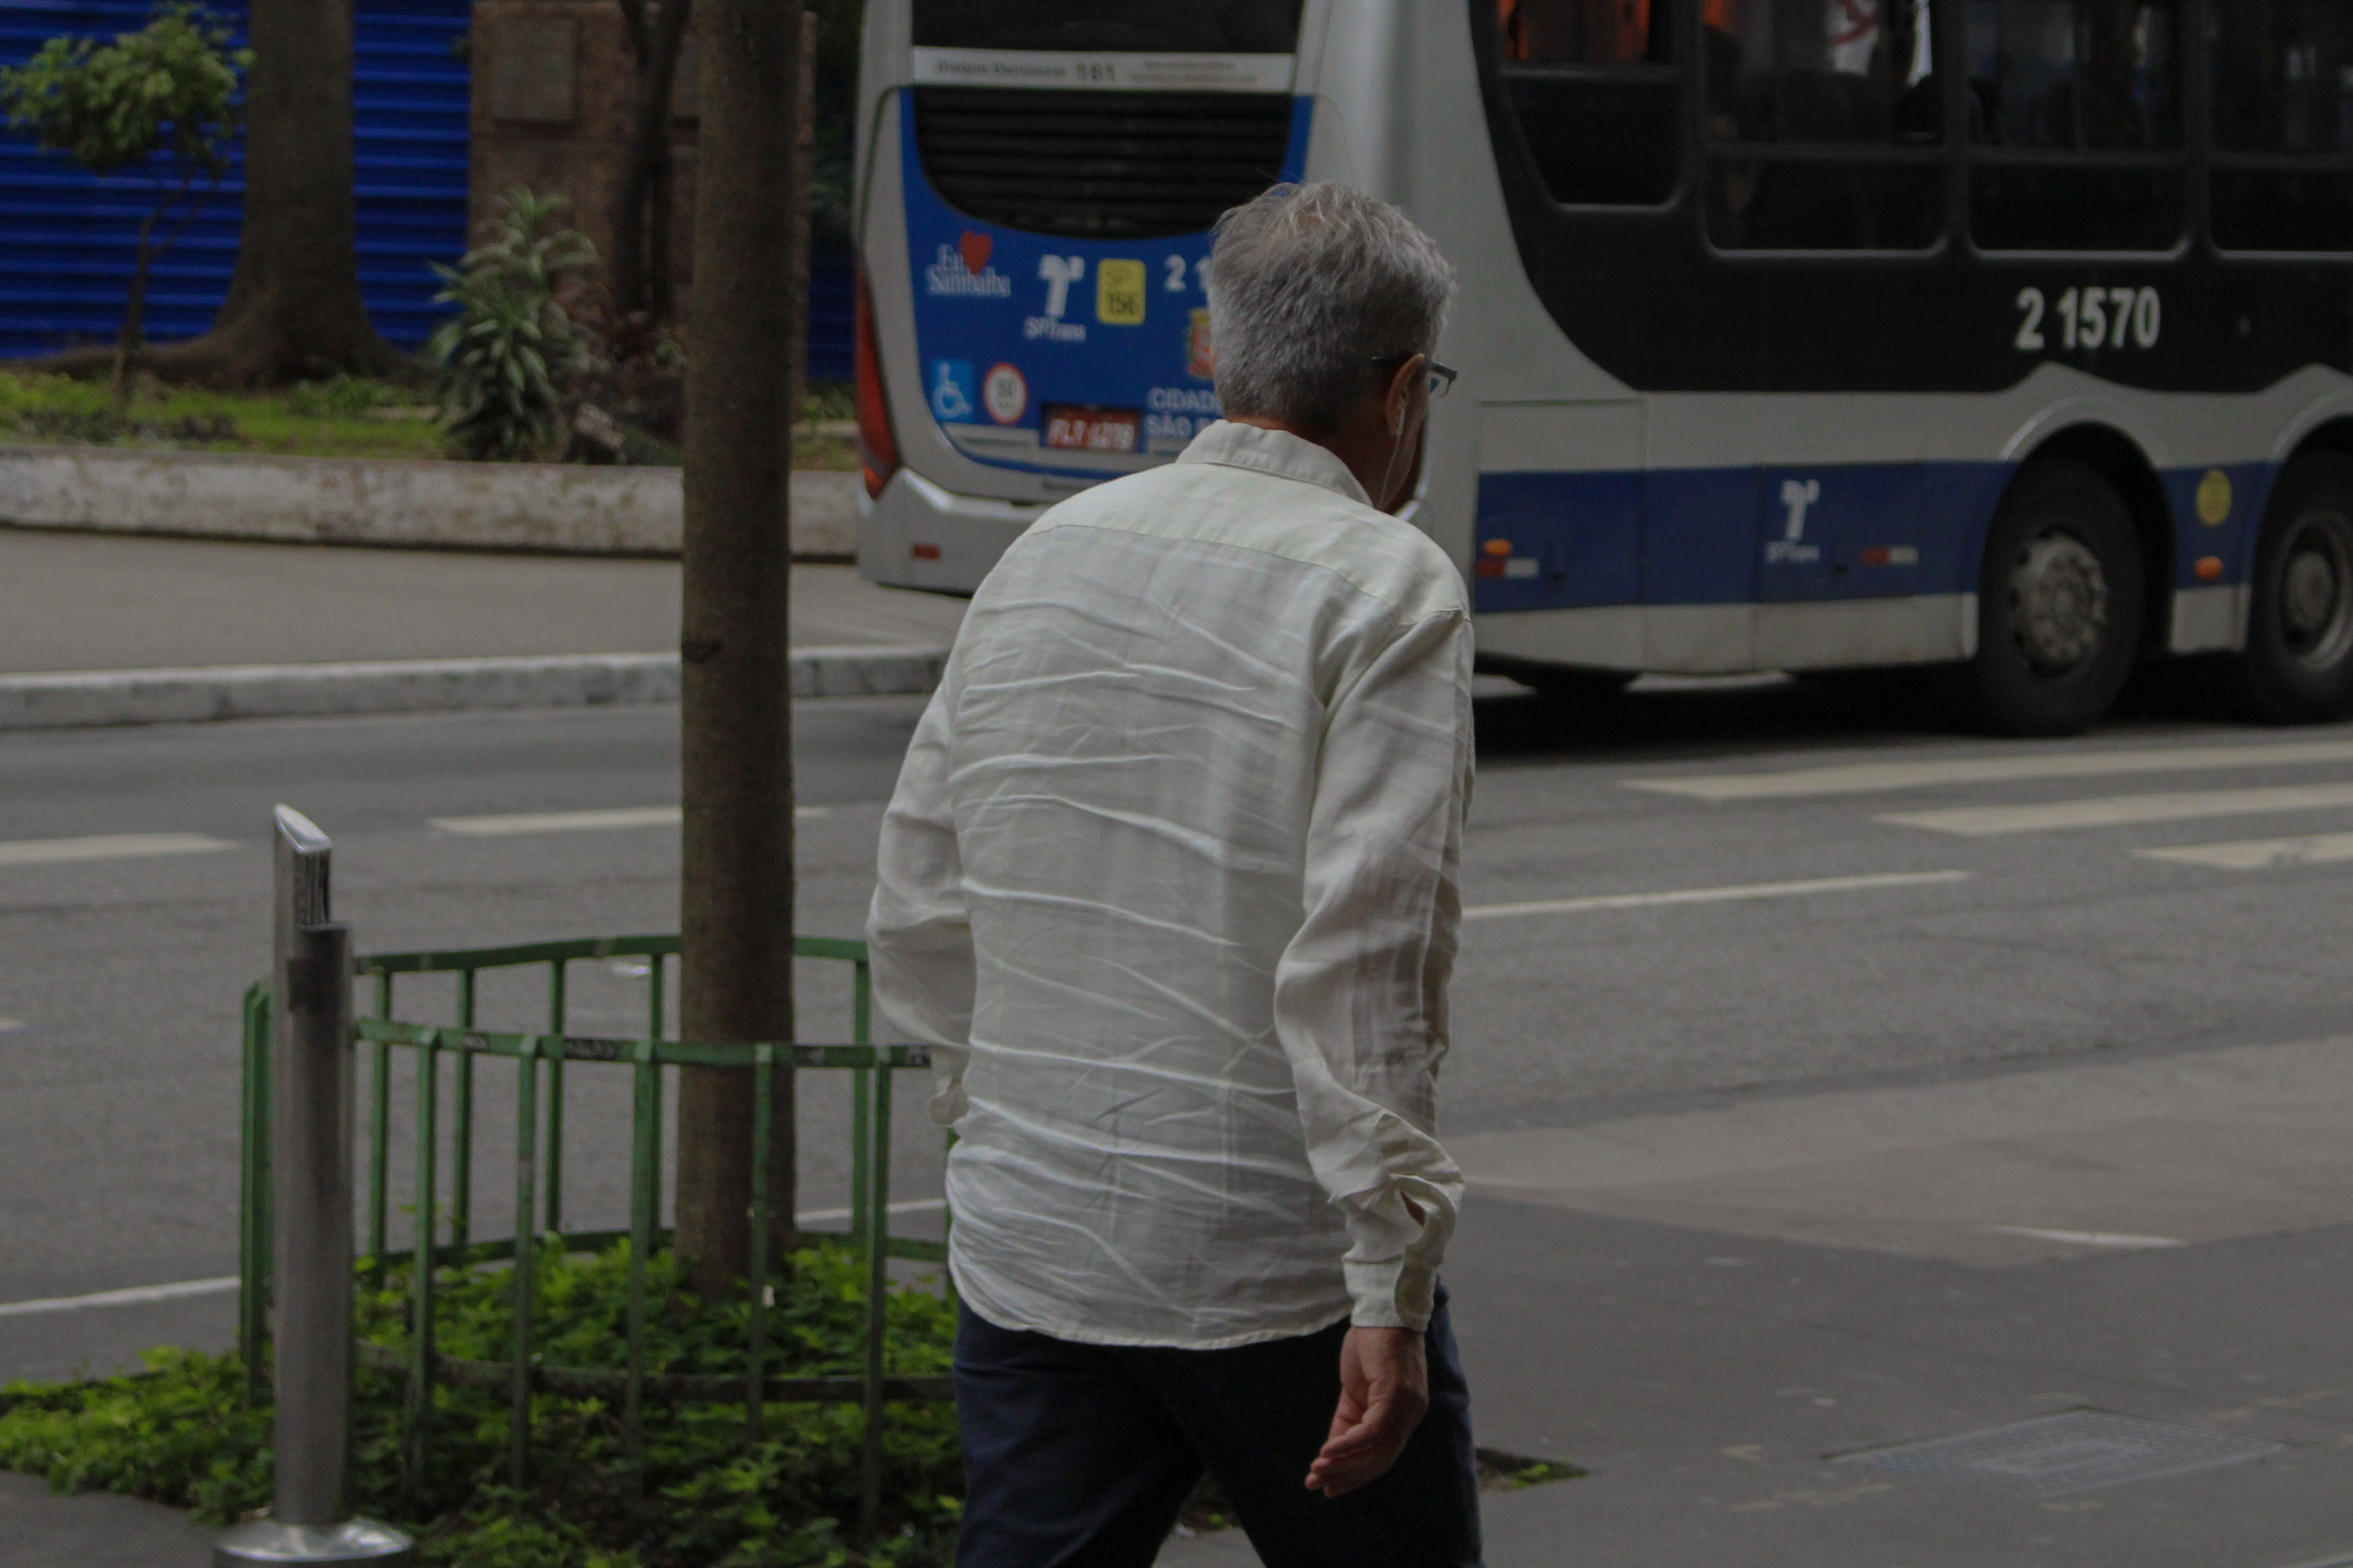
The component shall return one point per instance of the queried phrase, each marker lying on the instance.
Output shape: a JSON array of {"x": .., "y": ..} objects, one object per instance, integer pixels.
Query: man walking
[{"x": 1171, "y": 875}]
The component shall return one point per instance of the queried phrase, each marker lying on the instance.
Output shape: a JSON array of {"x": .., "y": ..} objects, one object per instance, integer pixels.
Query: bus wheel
[
  {"x": 2059, "y": 602},
  {"x": 2298, "y": 664}
]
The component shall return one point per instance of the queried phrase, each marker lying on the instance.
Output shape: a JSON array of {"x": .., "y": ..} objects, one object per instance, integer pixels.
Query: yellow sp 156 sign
[{"x": 1119, "y": 293}]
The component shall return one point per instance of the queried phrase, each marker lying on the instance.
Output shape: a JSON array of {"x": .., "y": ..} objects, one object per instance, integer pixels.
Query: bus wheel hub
[
  {"x": 2060, "y": 597},
  {"x": 2310, "y": 595}
]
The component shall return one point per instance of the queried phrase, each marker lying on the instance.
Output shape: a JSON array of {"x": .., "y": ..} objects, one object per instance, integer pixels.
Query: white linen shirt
[{"x": 1171, "y": 871}]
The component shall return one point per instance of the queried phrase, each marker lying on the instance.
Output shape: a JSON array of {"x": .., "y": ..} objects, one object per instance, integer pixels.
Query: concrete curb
[
  {"x": 95, "y": 699},
  {"x": 563, "y": 508}
]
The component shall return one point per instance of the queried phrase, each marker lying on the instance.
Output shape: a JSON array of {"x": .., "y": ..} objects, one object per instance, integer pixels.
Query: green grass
[
  {"x": 184, "y": 1435},
  {"x": 347, "y": 416}
]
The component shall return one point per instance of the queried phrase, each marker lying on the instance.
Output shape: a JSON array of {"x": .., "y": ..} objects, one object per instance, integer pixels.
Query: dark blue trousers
[{"x": 1080, "y": 1455}]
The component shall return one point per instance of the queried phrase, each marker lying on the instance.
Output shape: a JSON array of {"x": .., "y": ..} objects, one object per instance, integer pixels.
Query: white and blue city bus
[{"x": 2006, "y": 335}]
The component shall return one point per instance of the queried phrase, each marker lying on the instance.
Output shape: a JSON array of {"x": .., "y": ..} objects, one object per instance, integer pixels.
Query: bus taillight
[{"x": 877, "y": 453}]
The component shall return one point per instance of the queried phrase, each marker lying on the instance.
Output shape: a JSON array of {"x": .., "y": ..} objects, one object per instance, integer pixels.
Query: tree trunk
[
  {"x": 293, "y": 307},
  {"x": 738, "y": 884},
  {"x": 641, "y": 268},
  {"x": 135, "y": 316},
  {"x": 804, "y": 171}
]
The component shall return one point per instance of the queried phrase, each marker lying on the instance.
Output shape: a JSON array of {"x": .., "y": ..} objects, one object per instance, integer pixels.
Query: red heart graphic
[{"x": 975, "y": 249}]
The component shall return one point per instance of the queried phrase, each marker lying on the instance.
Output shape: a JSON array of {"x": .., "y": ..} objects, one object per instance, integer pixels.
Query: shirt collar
[{"x": 1276, "y": 452}]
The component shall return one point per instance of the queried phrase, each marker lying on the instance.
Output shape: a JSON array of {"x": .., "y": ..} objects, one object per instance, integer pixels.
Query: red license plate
[{"x": 1079, "y": 429}]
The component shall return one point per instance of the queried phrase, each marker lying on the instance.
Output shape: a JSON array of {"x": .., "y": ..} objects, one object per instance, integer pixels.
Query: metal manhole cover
[{"x": 2077, "y": 1452}]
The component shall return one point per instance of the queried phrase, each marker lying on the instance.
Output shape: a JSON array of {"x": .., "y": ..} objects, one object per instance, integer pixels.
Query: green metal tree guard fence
[{"x": 539, "y": 1192}]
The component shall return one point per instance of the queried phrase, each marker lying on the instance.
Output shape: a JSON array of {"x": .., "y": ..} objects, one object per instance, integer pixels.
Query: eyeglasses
[{"x": 1441, "y": 376}]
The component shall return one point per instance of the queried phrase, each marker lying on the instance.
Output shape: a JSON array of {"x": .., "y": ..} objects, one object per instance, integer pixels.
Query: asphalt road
[{"x": 1643, "y": 967}]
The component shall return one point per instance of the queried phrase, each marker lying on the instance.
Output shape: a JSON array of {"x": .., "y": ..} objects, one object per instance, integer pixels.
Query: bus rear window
[{"x": 1111, "y": 27}]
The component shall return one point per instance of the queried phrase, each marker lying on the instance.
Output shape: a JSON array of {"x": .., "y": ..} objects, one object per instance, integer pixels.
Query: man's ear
[{"x": 1399, "y": 394}]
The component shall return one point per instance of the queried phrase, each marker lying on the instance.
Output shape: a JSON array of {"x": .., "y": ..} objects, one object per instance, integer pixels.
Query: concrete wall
[{"x": 559, "y": 506}]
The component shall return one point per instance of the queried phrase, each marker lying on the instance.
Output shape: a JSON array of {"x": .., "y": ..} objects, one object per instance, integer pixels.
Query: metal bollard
[{"x": 311, "y": 1135}]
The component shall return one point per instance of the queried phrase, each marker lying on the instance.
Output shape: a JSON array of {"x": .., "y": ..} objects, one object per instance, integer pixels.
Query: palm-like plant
[{"x": 504, "y": 355}]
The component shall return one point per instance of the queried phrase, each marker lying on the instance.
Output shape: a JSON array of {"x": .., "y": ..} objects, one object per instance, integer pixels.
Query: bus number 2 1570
[{"x": 2092, "y": 317}]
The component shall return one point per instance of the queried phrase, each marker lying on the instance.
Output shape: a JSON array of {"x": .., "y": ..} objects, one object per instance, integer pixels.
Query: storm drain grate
[{"x": 2077, "y": 1452}]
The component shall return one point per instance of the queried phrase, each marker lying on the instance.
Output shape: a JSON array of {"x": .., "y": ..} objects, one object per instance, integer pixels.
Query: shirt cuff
[{"x": 1397, "y": 1294}]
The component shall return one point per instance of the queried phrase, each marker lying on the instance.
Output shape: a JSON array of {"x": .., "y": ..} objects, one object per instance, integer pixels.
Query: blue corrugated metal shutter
[
  {"x": 67, "y": 240},
  {"x": 409, "y": 90}
]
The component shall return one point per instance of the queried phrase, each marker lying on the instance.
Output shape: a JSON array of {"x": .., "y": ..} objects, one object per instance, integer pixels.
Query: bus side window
[
  {"x": 1789, "y": 77},
  {"x": 2100, "y": 77},
  {"x": 1593, "y": 85},
  {"x": 2283, "y": 111}
]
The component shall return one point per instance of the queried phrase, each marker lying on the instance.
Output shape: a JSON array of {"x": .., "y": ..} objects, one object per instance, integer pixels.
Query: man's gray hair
[{"x": 1309, "y": 285}]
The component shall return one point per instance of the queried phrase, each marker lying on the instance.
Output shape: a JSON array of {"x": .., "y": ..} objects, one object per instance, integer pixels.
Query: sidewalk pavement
[
  {"x": 39, "y": 1529},
  {"x": 1708, "y": 1382},
  {"x": 98, "y": 629},
  {"x": 1726, "y": 1313}
]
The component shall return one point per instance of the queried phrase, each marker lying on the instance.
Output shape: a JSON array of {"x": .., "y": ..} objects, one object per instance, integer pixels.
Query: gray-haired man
[{"x": 1171, "y": 870}]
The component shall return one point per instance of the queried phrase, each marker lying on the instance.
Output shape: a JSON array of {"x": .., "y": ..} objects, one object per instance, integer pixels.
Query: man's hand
[{"x": 1384, "y": 1394}]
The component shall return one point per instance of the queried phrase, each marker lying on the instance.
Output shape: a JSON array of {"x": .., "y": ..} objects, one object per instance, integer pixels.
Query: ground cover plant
[
  {"x": 183, "y": 1433},
  {"x": 345, "y": 416}
]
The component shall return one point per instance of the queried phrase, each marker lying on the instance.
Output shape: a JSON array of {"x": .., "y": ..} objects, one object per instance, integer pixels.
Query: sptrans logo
[{"x": 963, "y": 271}]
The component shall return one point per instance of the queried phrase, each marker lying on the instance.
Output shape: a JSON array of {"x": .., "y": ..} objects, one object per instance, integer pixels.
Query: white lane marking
[
  {"x": 913, "y": 1206},
  {"x": 2261, "y": 854},
  {"x": 138, "y": 1297},
  {"x": 107, "y": 846},
  {"x": 1859, "y": 778},
  {"x": 2123, "y": 810},
  {"x": 577, "y": 821},
  {"x": 13, "y": 1025},
  {"x": 2104, "y": 1238},
  {"x": 1715, "y": 895}
]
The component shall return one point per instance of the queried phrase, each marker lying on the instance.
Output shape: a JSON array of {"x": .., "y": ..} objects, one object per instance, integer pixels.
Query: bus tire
[
  {"x": 2297, "y": 666},
  {"x": 2059, "y": 602}
]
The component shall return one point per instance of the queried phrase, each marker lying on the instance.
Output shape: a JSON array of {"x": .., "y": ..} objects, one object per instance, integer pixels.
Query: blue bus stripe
[{"x": 1549, "y": 540}]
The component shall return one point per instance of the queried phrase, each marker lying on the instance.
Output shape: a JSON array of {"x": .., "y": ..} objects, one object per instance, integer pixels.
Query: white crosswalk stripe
[
  {"x": 1867, "y": 778},
  {"x": 576, "y": 821},
  {"x": 2119, "y": 811},
  {"x": 140, "y": 1296},
  {"x": 1714, "y": 895},
  {"x": 1987, "y": 773},
  {"x": 108, "y": 846},
  {"x": 2261, "y": 854},
  {"x": 2099, "y": 1238}
]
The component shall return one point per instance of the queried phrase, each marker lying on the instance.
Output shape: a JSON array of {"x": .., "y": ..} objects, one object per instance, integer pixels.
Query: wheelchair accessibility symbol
[{"x": 952, "y": 391}]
